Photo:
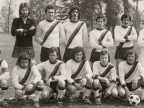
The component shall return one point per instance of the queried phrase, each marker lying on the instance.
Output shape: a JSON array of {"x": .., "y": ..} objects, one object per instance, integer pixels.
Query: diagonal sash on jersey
[
  {"x": 74, "y": 34},
  {"x": 55, "y": 70},
  {"x": 131, "y": 70},
  {"x": 102, "y": 36},
  {"x": 127, "y": 34},
  {"x": 79, "y": 69},
  {"x": 107, "y": 70},
  {"x": 1, "y": 61},
  {"x": 49, "y": 31},
  {"x": 26, "y": 76}
]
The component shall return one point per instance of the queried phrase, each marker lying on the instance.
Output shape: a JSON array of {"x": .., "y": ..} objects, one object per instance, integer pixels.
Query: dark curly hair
[
  {"x": 74, "y": 8},
  {"x": 125, "y": 16},
  {"x": 77, "y": 50},
  {"x": 23, "y": 56},
  {"x": 130, "y": 52},
  {"x": 50, "y": 6},
  {"x": 105, "y": 52}
]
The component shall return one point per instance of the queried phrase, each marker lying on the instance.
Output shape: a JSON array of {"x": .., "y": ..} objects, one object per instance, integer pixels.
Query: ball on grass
[{"x": 134, "y": 99}]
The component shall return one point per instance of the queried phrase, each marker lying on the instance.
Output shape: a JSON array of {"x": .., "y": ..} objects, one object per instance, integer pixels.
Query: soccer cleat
[
  {"x": 87, "y": 101},
  {"x": 36, "y": 104}
]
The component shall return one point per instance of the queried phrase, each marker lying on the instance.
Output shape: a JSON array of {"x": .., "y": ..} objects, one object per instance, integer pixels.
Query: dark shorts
[
  {"x": 45, "y": 54},
  {"x": 17, "y": 50},
  {"x": 67, "y": 55},
  {"x": 95, "y": 56},
  {"x": 121, "y": 53},
  {"x": 53, "y": 86}
]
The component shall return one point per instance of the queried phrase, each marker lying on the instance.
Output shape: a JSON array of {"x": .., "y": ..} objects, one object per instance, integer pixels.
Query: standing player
[
  {"x": 23, "y": 28},
  {"x": 26, "y": 79},
  {"x": 125, "y": 35},
  {"x": 79, "y": 75},
  {"x": 49, "y": 33},
  {"x": 131, "y": 75},
  {"x": 4, "y": 77},
  {"x": 141, "y": 44},
  {"x": 54, "y": 76},
  {"x": 75, "y": 31},
  {"x": 100, "y": 39},
  {"x": 104, "y": 75}
]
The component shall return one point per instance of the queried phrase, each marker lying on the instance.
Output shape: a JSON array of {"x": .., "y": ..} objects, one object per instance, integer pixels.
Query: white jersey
[
  {"x": 4, "y": 75},
  {"x": 80, "y": 37},
  {"x": 120, "y": 32},
  {"x": 141, "y": 44},
  {"x": 56, "y": 36},
  {"x": 124, "y": 68},
  {"x": 95, "y": 34},
  {"x": 72, "y": 66},
  {"x": 98, "y": 69},
  {"x": 48, "y": 67},
  {"x": 18, "y": 74}
]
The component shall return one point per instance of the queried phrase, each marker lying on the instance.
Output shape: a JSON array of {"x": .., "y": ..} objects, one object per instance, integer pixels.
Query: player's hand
[
  {"x": 32, "y": 28},
  {"x": 20, "y": 30},
  {"x": 107, "y": 82},
  {"x": 48, "y": 81},
  {"x": 83, "y": 82},
  {"x": 134, "y": 83},
  {"x": 78, "y": 86}
]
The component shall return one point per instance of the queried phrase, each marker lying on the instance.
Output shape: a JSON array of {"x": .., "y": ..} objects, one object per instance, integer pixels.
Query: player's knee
[
  {"x": 89, "y": 81},
  {"x": 19, "y": 93},
  {"x": 61, "y": 84},
  {"x": 114, "y": 92},
  {"x": 4, "y": 84},
  {"x": 44, "y": 95},
  {"x": 121, "y": 92},
  {"x": 71, "y": 89},
  {"x": 96, "y": 84}
]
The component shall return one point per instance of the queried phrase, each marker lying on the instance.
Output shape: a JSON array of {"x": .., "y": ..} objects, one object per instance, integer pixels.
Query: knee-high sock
[
  {"x": 61, "y": 92},
  {"x": 37, "y": 95},
  {"x": 86, "y": 92}
]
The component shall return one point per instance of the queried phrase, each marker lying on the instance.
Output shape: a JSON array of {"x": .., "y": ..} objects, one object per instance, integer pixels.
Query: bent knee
[
  {"x": 121, "y": 92},
  {"x": 44, "y": 95},
  {"x": 61, "y": 83},
  {"x": 40, "y": 83},
  {"x": 19, "y": 93},
  {"x": 114, "y": 92},
  {"x": 4, "y": 84}
]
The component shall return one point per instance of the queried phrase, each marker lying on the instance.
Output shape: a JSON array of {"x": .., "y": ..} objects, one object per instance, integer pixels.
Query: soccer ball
[{"x": 134, "y": 99}]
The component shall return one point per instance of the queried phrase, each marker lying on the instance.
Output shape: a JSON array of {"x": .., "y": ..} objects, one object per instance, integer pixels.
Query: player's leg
[
  {"x": 121, "y": 91},
  {"x": 96, "y": 88}
]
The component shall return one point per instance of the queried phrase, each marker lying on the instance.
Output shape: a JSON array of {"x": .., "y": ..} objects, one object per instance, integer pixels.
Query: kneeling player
[
  {"x": 131, "y": 75},
  {"x": 26, "y": 79},
  {"x": 4, "y": 76},
  {"x": 79, "y": 75},
  {"x": 54, "y": 76},
  {"x": 104, "y": 76}
]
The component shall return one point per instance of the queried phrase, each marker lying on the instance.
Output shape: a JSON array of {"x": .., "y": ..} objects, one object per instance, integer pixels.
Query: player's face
[
  {"x": 78, "y": 56},
  {"x": 24, "y": 12},
  {"x": 104, "y": 59},
  {"x": 100, "y": 23},
  {"x": 74, "y": 15},
  {"x": 53, "y": 57},
  {"x": 131, "y": 58},
  {"x": 50, "y": 14},
  {"x": 125, "y": 22},
  {"x": 24, "y": 63}
]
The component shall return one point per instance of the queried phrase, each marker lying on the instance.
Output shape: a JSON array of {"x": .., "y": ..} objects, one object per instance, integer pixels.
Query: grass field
[{"x": 6, "y": 47}]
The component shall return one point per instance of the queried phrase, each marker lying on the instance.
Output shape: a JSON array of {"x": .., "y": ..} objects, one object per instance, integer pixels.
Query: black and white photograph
[{"x": 71, "y": 53}]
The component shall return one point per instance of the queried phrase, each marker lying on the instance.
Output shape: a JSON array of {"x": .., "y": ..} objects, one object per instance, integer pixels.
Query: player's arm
[
  {"x": 109, "y": 41},
  {"x": 30, "y": 31},
  {"x": 133, "y": 35},
  {"x": 15, "y": 80},
  {"x": 61, "y": 34},
  {"x": 141, "y": 38},
  {"x": 85, "y": 34},
  {"x": 141, "y": 71},
  {"x": 118, "y": 38},
  {"x": 37, "y": 74},
  {"x": 63, "y": 73},
  {"x": 93, "y": 43},
  {"x": 38, "y": 34},
  {"x": 69, "y": 73},
  {"x": 14, "y": 27}
]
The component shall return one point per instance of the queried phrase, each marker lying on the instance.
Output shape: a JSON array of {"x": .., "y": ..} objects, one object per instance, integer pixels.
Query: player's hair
[
  {"x": 72, "y": 9},
  {"x": 125, "y": 16},
  {"x": 53, "y": 49},
  {"x": 24, "y": 5},
  {"x": 77, "y": 50},
  {"x": 23, "y": 56},
  {"x": 49, "y": 6},
  {"x": 130, "y": 52},
  {"x": 105, "y": 52},
  {"x": 101, "y": 17}
]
